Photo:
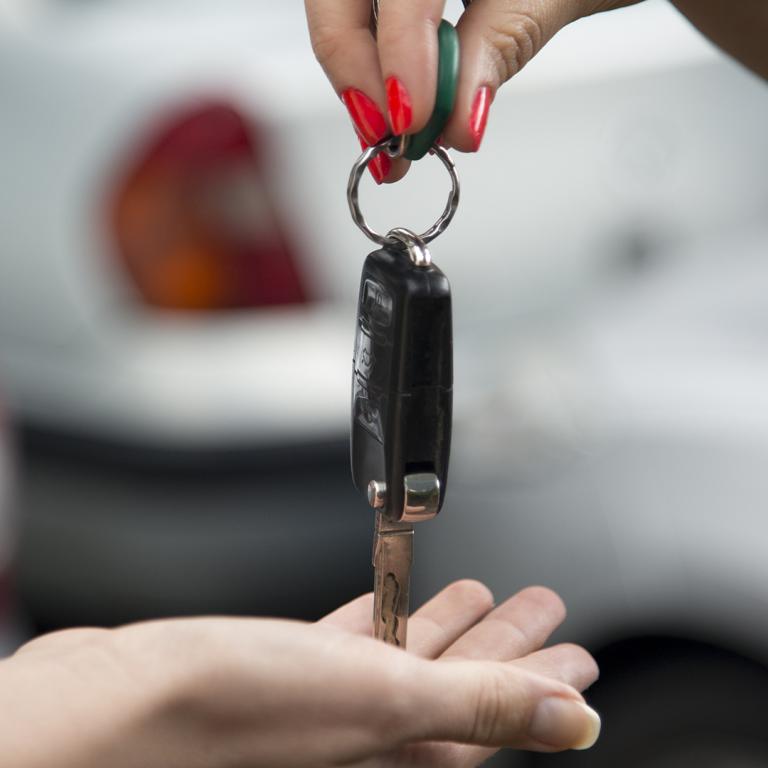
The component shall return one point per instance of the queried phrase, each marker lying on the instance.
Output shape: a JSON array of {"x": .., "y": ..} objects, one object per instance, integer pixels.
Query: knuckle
[
  {"x": 326, "y": 43},
  {"x": 512, "y": 632},
  {"x": 493, "y": 709},
  {"x": 513, "y": 39},
  {"x": 392, "y": 32},
  {"x": 398, "y": 31},
  {"x": 395, "y": 701}
]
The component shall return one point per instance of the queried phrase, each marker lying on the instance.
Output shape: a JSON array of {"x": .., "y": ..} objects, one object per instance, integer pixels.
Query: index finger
[{"x": 344, "y": 46}]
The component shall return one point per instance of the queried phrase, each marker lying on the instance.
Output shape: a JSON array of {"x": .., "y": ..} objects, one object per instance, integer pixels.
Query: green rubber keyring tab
[{"x": 447, "y": 80}]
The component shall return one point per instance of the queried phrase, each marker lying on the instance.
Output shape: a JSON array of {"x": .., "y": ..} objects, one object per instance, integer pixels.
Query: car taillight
[{"x": 195, "y": 226}]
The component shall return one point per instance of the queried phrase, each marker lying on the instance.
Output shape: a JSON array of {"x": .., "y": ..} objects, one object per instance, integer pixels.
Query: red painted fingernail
[
  {"x": 478, "y": 117},
  {"x": 380, "y": 166},
  {"x": 366, "y": 116},
  {"x": 399, "y": 106}
]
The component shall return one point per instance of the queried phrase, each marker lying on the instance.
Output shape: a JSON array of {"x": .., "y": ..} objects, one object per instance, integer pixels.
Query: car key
[
  {"x": 402, "y": 387},
  {"x": 402, "y": 379}
]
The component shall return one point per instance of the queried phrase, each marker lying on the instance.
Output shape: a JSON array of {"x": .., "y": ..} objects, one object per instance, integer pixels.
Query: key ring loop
[
  {"x": 358, "y": 169},
  {"x": 415, "y": 247}
]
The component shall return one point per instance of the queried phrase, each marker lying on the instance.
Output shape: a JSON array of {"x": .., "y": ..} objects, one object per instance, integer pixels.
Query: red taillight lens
[{"x": 194, "y": 222}]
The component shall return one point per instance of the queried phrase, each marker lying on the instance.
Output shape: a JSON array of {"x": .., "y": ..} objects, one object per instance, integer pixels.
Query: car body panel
[
  {"x": 599, "y": 449},
  {"x": 68, "y": 318},
  {"x": 630, "y": 472}
]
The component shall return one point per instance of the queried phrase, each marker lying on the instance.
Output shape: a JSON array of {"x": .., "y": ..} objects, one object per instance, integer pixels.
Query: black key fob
[{"x": 402, "y": 385}]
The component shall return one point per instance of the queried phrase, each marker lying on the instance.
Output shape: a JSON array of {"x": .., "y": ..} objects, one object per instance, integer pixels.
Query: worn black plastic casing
[{"x": 402, "y": 377}]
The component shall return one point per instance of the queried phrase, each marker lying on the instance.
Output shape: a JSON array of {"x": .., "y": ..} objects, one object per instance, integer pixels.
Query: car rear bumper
[
  {"x": 114, "y": 533},
  {"x": 258, "y": 378}
]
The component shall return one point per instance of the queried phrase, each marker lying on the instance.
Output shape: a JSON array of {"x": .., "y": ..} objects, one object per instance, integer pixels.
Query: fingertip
[
  {"x": 474, "y": 590},
  {"x": 592, "y": 730},
  {"x": 399, "y": 168},
  {"x": 380, "y": 167},
  {"x": 590, "y": 671},
  {"x": 478, "y": 116},
  {"x": 546, "y": 598},
  {"x": 467, "y": 127},
  {"x": 490, "y": 704},
  {"x": 399, "y": 105},
  {"x": 564, "y": 723},
  {"x": 367, "y": 118}
]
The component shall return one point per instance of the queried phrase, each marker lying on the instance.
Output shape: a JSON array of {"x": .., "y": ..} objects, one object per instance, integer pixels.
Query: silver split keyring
[
  {"x": 414, "y": 245},
  {"x": 358, "y": 169}
]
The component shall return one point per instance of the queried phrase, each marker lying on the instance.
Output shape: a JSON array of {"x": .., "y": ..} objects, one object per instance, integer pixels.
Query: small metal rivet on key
[{"x": 402, "y": 389}]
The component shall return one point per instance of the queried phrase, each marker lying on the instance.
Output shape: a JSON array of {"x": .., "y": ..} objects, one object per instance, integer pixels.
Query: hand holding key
[
  {"x": 388, "y": 83},
  {"x": 221, "y": 692}
]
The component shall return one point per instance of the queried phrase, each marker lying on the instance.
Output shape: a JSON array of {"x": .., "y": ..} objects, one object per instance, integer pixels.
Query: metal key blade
[{"x": 392, "y": 558}]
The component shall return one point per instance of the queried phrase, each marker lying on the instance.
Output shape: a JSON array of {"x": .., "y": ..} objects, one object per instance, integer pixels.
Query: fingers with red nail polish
[
  {"x": 366, "y": 116},
  {"x": 394, "y": 71},
  {"x": 478, "y": 116},
  {"x": 370, "y": 127},
  {"x": 408, "y": 54},
  {"x": 380, "y": 166},
  {"x": 399, "y": 106}
]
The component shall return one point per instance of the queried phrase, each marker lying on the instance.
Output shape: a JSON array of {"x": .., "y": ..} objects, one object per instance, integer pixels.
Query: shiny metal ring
[
  {"x": 414, "y": 245},
  {"x": 358, "y": 169},
  {"x": 397, "y": 146}
]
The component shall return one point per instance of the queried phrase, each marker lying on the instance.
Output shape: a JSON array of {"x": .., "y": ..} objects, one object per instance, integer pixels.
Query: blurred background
[{"x": 178, "y": 277}]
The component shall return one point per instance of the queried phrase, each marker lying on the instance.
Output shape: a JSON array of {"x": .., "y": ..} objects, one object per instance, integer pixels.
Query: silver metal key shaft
[
  {"x": 393, "y": 553},
  {"x": 392, "y": 559}
]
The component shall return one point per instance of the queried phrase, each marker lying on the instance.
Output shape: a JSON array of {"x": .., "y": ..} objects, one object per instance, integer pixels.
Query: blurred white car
[
  {"x": 629, "y": 475},
  {"x": 177, "y": 288},
  {"x": 171, "y": 349},
  {"x": 179, "y": 266}
]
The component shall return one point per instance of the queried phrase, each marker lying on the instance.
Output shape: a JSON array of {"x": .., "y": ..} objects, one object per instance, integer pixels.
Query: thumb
[
  {"x": 493, "y": 704},
  {"x": 498, "y": 38}
]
